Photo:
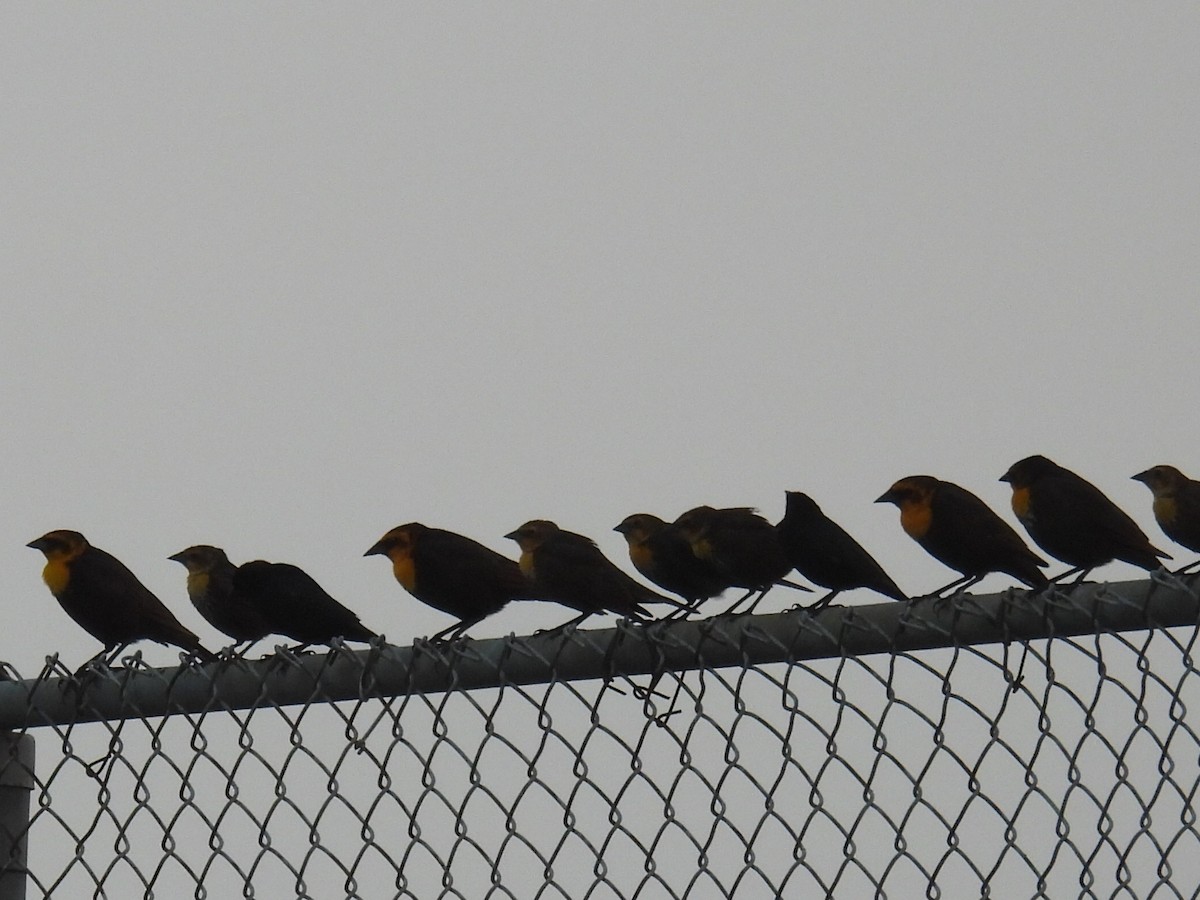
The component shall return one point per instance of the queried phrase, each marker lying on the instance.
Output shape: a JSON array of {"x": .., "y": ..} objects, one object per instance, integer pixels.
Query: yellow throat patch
[
  {"x": 1164, "y": 510},
  {"x": 915, "y": 517},
  {"x": 405, "y": 571},
  {"x": 1020, "y": 502},
  {"x": 641, "y": 557},
  {"x": 197, "y": 584},
  {"x": 57, "y": 574}
]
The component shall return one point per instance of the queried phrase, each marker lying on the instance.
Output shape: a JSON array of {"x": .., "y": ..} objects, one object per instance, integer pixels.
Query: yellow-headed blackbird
[
  {"x": 452, "y": 573},
  {"x": 741, "y": 545},
  {"x": 210, "y": 586},
  {"x": 258, "y": 598},
  {"x": 106, "y": 599},
  {"x": 570, "y": 569},
  {"x": 1176, "y": 505},
  {"x": 824, "y": 553},
  {"x": 958, "y": 529},
  {"x": 1072, "y": 520},
  {"x": 661, "y": 552}
]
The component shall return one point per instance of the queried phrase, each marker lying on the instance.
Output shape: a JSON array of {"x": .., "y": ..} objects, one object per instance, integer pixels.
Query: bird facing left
[{"x": 107, "y": 600}]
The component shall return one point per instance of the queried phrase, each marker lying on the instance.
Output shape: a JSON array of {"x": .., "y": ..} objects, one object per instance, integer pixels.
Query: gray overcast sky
[{"x": 281, "y": 277}]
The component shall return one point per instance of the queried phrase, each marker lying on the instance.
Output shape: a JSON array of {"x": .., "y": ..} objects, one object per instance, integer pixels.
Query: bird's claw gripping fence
[{"x": 988, "y": 746}]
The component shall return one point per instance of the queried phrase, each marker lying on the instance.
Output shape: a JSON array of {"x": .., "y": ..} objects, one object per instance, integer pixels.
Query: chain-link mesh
[{"x": 939, "y": 751}]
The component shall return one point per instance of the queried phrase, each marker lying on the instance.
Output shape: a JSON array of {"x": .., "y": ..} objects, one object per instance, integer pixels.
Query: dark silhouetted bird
[
  {"x": 452, "y": 573},
  {"x": 1072, "y": 520},
  {"x": 824, "y": 553},
  {"x": 570, "y": 569},
  {"x": 258, "y": 598},
  {"x": 211, "y": 580},
  {"x": 742, "y": 546},
  {"x": 958, "y": 529},
  {"x": 106, "y": 599},
  {"x": 661, "y": 552},
  {"x": 1176, "y": 506}
]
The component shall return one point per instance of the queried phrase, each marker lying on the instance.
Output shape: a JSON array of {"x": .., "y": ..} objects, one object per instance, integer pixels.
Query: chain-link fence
[{"x": 990, "y": 746}]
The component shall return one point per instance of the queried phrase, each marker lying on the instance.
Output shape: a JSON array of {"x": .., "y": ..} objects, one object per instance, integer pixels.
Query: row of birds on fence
[{"x": 700, "y": 555}]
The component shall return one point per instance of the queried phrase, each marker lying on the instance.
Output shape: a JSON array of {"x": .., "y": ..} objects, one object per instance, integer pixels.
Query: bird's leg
[
  {"x": 455, "y": 631},
  {"x": 682, "y": 612},
  {"x": 559, "y": 629},
  {"x": 818, "y": 605},
  {"x": 1078, "y": 570},
  {"x": 957, "y": 582},
  {"x": 239, "y": 649},
  {"x": 1082, "y": 575},
  {"x": 112, "y": 657},
  {"x": 740, "y": 600},
  {"x": 941, "y": 597},
  {"x": 753, "y": 603},
  {"x": 757, "y": 600}
]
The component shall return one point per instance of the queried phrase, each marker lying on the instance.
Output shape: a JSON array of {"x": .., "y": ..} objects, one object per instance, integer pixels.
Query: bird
[
  {"x": 1073, "y": 521},
  {"x": 452, "y": 573},
  {"x": 1176, "y": 506},
  {"x": 961, "y": 531},
  {"x": 661, "y": 553},
  {"x": 824, "y": 553},
  {"x": 211, "y": 581},
  {"x": 742, "y": 546},
  {"x": 570, "y": 569},
  {"x": 258, "y": 598},
  {"x": 107, "y": 600}
]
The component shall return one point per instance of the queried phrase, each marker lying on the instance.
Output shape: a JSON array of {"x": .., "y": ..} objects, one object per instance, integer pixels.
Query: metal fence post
[{"x": 16, "y": 784}]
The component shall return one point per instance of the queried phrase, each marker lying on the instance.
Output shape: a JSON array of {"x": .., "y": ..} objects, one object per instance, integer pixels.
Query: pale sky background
[{"x": 278, "y": 278}]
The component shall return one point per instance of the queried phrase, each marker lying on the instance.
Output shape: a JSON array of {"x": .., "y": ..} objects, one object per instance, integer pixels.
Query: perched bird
[
  {"x": 570, "y": 569},
  {"x": 452, "y": 573},
  {"x": 211, "y": 579},
  {"x": 1176, "y": 506},
  {"x": 958, "y": 529},
  {"x": 661, "y": 552},
  {"x": 824, "y": 553},
  {"x": 742, "y": 546},
  {"x": 1072, "y": 520},
  {"x": 106, "y": 599},
  {"x": 258, "y": 598}
]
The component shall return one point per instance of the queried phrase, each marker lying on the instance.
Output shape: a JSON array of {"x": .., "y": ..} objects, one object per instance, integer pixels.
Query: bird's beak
[
  {"x": 512, "y": 535},
  {"x": 177, "y": 557},
  {"x": 886, "y": 498},
  {"x": 1007, "y": 476},
  {"x": 39, "y": 544},
  {"x": 376, "y": 550},
  {"x": 1143, "y": 477}
]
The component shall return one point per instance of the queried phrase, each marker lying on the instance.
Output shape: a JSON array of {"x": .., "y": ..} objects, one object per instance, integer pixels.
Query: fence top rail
[{"x": 287, "y": 679}]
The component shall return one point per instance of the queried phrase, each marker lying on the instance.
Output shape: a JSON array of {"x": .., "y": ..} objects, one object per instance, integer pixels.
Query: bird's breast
[
  {"x": 57, "y": 576},
  {"x": 1164, "y": 510},
  {"x": 915, "y": 519},
  {"x": 642, "y": 557},
  {"x": 526, "y": 564},
  {"x": 1020, "y": 503},
  {"x": 197, "y": 584},
  {"x": 405, "y": 572}
]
